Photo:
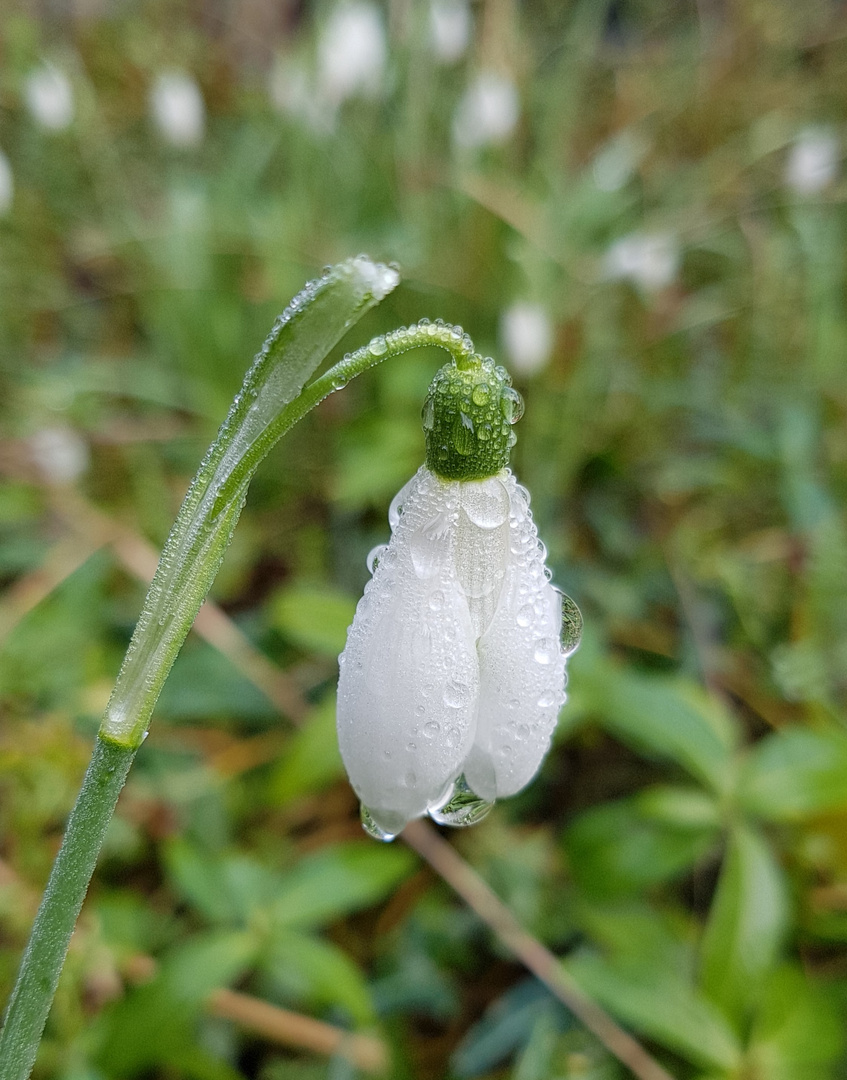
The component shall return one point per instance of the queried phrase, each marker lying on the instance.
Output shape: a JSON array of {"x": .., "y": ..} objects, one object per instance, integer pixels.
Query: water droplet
[
  {"x": 547, "y": 699},
  {"x": 378, "y": 347},
  {"x": 431, "y": 729},
  {"x": 371, "y": 827},
  {"x": 484, "y": 433},
  {"x": 410, "y": 779},
  {"x": 339, "y": 381},
  {"x": 571, "y": 634},
  {"x": 512, "y": 405},
  {"x": 436, "y": 600},
  {"x": 428, "y": 414},
  {"x": 524, "y": 616},
  {"x": 456, "y": 694},
  {"x": 374, "y": 556},
  {"x": 411, "y": 746},
  {"x": 464, "y": 438},
  {"x": 545, "y": 651},
  {"x": 486, "y": 502},
  {"x": 480, "y": 393},
  {"x": 460, "y": 806}
]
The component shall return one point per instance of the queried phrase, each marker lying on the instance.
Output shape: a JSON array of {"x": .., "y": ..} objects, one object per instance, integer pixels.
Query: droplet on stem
[{"x": 460, "y": 806}]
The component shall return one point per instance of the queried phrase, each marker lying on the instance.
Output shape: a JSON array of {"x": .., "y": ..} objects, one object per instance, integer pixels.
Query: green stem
[{"x": 45, "y": 954}]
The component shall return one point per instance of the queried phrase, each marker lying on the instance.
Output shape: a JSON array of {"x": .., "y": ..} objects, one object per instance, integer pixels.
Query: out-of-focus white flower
[
  {"x": 450, "y": 26},
  {"x": 352, "y": 52},
  {"x": 7, "y": 184},
  {"x": 178, "y": 110},
  {"x": 453, "y": 674},
  {"x": 292, "y": 91},
  {"x": 614, "y": 166},
  {"x": 527, "y": 336},
  {"x": 60, "y": 454},
  {"x": 487, "y": 112},
  {"x": 812, "y": 161},
  {"x": 49, "y": 97},
  {"x": 649, "y": 260}
]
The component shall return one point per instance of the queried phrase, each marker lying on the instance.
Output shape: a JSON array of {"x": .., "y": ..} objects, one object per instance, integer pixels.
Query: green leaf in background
[
  {"x": 669, "y": 718},
  {"x": 310, "y": 760},
  {"x": 794, "y": 774},
  {"x": 746, "y": 925},
  {"x": 315, "y": 617},
  {"x": 626, "y": 846},
  {"x": 797, "y": 1033},
  {"x": 224, "y": 890},
  {"x": 660, "y": 1003},
  {"x": 316, "y": 972},
  {"x": 208, "y": 961},
  {"x": 336, "y": 881}
]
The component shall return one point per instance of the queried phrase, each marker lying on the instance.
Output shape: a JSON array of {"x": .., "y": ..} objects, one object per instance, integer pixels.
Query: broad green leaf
[
  {"x": 618, "y": 848},
  {"x": 746, "y": 924},
  {"x": 336, "y": 881},
  {"x": 670, "y": 718},
  {"x": 795, "y": 773},
  {"x": 660, "y": 1003},
  {"x": 314, "y": 617},
  {"x": 797, "y": 1033},
  {"x": 314, "y": 970},
  {"x": 224, "y": 890},
  {"x": 310, "y": 761},
  {"x": 208, "y": 961},
  {"x": 506, "y": 1026}
]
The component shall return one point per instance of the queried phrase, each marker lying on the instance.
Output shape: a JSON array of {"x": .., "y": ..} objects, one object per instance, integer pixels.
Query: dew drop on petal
[
  {"x": 371, "y": 827},
  {"x": 571, "y": 624},
  {"x": 545, "y": 651},
  {"x": 525, "y": 615},
  {"x": 431, "y": 729},
  {"x": 547, "y": 699},
  {"x": 456, "y": 694},
  {"x": 436, "y": 600},
  {"x": 374, "y": 555},
  {"x": 486, "y": 502},
  {"x": 460, "y": 806}
]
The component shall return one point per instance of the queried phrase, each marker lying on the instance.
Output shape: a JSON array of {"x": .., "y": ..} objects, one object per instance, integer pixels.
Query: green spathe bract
[{"x": 467, "y": 420}]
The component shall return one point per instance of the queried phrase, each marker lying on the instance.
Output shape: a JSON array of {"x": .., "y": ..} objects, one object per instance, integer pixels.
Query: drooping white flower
[
  {"x": 648, "y": 260},
  {"x": 812, "y": 162},
  {"x": 178, "y": 110},
  {"x": 527, "y": 336},
  {"x": 488, "y": 111},
  {"x": 450, "y": 25},
  {"x": 49, "y": 97},
  {"x": 352, "y": 52},
  {"x": 454, "y": 670}
]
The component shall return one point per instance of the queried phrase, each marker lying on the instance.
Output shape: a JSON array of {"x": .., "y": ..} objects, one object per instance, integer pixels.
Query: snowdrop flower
[
  {"x": 813, "y": 162},
  {"x": 527, "y": 337},
  {"x": 179, "y": 113},
  {"x": 454, "y": 670},
  {"x": 352, "y": 53},
  {"x": 488, "y": 111},
  {"x": 649, "y": 260},
  {"x": 7, "y": 184},
  {"x": 49, "y": 97},
  {"x": 449, "y": 29}
]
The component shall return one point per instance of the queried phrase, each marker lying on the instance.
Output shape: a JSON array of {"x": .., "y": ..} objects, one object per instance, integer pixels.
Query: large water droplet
[
  {"x": 374, "y": 555},
  {"x": 464, "y": 438},
  {"x": 428, "y": 414},
  {"x": 378, "y": 347},
  {"x": 460, "y": 806},
  {"x": 371, "y": 827},
  {"x": 545, "y": 651},
  {"x": 456, "y": 694},
  {"x": 512, "y": 405},
  {"x": 486, "y": 502},
  {"x": 571, "y": 634},
  {"x": 480, "y": 393}
]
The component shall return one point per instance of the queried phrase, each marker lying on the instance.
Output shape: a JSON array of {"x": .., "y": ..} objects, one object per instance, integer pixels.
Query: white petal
[
  {"x": 522, "y": 666},
  {"x": 409, "y": 673}
]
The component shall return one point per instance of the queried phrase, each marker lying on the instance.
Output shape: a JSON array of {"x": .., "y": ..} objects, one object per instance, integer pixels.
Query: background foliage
[{"x": 661, "y": 183}]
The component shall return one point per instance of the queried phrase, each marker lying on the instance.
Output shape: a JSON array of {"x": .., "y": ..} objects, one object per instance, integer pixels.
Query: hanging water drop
[
  {"x": 460, "y": 806},
  {"x": 371, "y": 827},
  {"x": 571, "y": 633}
]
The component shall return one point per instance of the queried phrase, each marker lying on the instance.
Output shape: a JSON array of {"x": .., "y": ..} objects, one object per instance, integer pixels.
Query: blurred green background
[{"x": 639, "y": 207}]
